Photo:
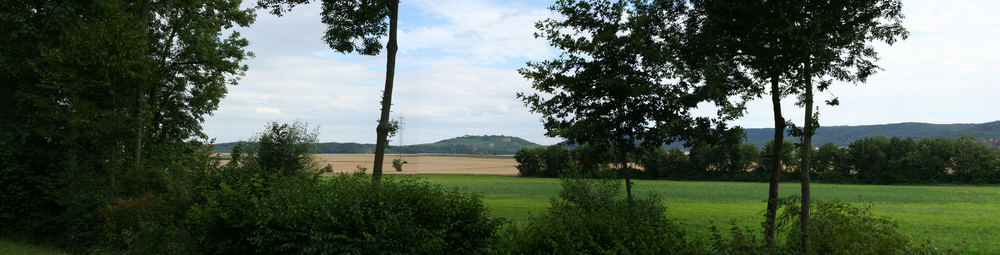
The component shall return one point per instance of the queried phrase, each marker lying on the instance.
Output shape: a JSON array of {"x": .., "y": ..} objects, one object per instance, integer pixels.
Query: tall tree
[
  {"x": 194, "y": 52},
  {"x": 750, "y": 34},
  {"x": 73, "y": 73},
  {"x": 618, "y": 81},
  {"x": 831, "y": 42},
  {"x": 357, "y": 25}
]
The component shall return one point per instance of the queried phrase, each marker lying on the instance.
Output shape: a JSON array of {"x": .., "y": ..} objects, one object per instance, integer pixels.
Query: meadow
[{"x": 947, "y": 215}]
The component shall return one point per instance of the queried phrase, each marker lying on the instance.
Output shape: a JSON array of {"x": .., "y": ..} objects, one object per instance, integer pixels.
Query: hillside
[
  {"x": 844, "y": 135},
  {"x": 487, "y": 144}
]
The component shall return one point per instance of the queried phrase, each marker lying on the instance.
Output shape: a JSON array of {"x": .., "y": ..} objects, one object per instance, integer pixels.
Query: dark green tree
[
  {"x": 612, "y": 85},
  {"x": 750, "y": 35},
  {"x": 830, "y": 40},
  {"x": 74, "y": 73},
  {"x": 357, "y": 25}
]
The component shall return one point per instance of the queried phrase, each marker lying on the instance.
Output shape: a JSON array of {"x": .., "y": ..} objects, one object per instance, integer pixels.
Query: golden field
[{"x": 423, "y": 163}]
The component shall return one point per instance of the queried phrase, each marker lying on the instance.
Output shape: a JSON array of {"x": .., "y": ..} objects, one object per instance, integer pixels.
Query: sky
[{"x": 456, "y": 74}]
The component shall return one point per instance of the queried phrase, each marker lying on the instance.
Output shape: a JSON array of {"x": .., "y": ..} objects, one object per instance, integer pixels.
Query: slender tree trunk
[
  {"x": 776, "y": 156},
  {"x": 628, "y": 179},
  {"x": 113, "y": 168},
  {"x": 804, "y": 168},
  {"x": 140, "y": 101},
  {"x": 390, "y": 67}
]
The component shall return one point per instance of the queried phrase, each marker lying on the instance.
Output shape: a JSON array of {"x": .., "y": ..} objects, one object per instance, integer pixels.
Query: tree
[
  {"x": 357, "y": 25},
  {"x": 73, "y": 73},
  {"x": 830, "y": 41},
  {"x": 614, "y": 85},
  {"x": 750, "y": 35}
]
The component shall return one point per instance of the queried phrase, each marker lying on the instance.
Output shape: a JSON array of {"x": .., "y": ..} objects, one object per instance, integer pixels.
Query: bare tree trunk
[
  {"x": 390, "y": 67},
  {"x": 140, "y": 101},
  {"x": 628, "y": 179},
  {"x": 776, "y": 156},
  {"x": 806, "y": 151}
]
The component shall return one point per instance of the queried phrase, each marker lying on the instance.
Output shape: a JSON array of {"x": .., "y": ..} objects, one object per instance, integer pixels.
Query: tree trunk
[
  {"x": 390, "y": 65},
  {"x": 628, "y": 179},
  {"x": 806, "y": 151},
  {"x": 113, "y": 168},
  {"x": 140, "y": 101},
  {"x": 776, "y": 156}
]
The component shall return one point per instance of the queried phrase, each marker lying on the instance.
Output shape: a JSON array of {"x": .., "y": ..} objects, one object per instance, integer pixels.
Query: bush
[
  {"x": 835, "y": 228},
  {"x": 349, "y": 214},
  {"x": 285, "y": 149},
  {"x": 397, "y": 164},
  {"x": 840, "y": 228},
  {"x": 590, "y": 217},
  {"x": 222, "y": 218}
]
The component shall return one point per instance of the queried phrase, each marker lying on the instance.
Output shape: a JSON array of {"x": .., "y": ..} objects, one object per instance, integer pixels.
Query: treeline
[
  {"x": 487, "y": 144},
  {"x": 871, "y": 160},
  {"x": 844, "y": 135}
]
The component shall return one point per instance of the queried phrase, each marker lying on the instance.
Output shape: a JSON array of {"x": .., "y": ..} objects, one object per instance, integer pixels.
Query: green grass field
[{"x": 945, "y": 214}]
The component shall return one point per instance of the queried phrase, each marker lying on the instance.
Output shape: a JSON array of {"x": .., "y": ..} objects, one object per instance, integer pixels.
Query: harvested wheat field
[{"x": 424, "y": 163}]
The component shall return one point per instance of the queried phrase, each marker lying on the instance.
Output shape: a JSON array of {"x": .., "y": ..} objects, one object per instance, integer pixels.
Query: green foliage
[
  {"x": 840, "y": 228},
  {"x": 398, "y": 164},
  {"x": 831, "y": 164},
  {"x": 76, "y": 76},
  {"x": 619, "y": 80},
  {"x": 285, "y": 149},
  {"x": 873, "y": 160},
  {"x": 350, "y": 214},
  {"x": 590, "y": 217},
  {"x": 528, "y": 162},
  {"x": 224, "y": 218},
  {"x": 671, "y": 164},
  {"x": 557, "y": 161},
  {"x": 724, "y": 161}
]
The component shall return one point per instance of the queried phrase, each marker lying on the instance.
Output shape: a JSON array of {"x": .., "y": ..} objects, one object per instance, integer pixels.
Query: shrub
[
  {"x": 350, "y": 214},
  {"x": 222, "y": 218},
  {"x": 840, "y": 228},
  {"x": 397, "y": 164},
  {"x": 590, "y": 217},
  {"x": 144, "y": 225},
  {"x": 285, "y": 149}
]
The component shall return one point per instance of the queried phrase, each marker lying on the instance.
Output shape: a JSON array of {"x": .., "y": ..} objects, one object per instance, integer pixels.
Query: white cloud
[
  {"x": 456, "y": 74},
  {"x": 484, "y": 31},
  {"x": 267, "y": 110}
]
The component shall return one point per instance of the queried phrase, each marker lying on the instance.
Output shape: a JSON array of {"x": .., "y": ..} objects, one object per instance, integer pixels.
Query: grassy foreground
[
  {"x": 945, "y": 214},
  {"x": 14, "y": 247}
]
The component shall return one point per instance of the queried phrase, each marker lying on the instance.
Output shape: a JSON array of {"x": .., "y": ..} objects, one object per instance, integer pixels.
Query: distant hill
[
  {"x": 844, "y": 135},
  {"x": 487, "y": 144}
]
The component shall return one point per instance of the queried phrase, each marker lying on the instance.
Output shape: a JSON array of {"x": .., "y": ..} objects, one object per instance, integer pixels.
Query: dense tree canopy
[{"x": 82, "y": 77}]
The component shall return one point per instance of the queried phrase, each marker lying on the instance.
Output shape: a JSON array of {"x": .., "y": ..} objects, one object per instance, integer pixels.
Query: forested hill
[
  {"x": 844, "y": 135},
  {"x": 487, "y": 144}
]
